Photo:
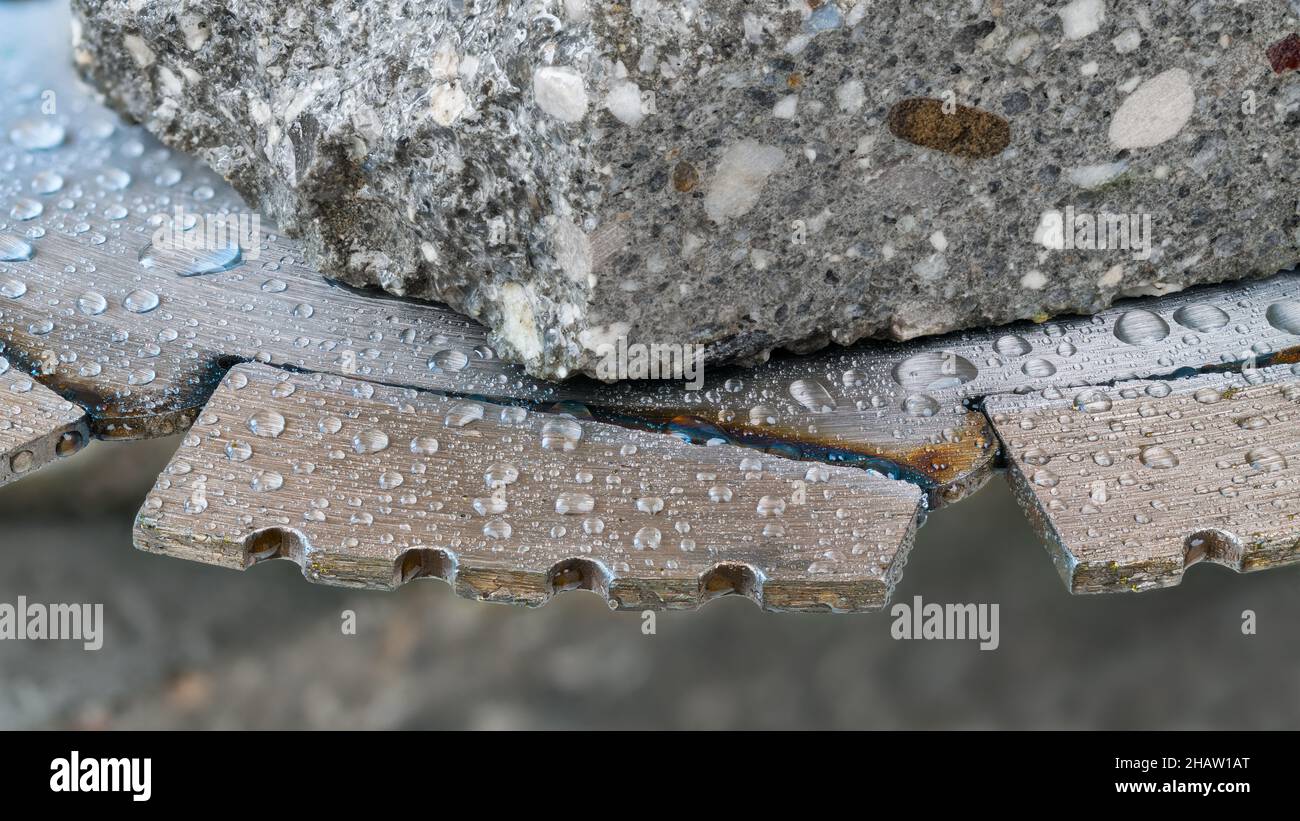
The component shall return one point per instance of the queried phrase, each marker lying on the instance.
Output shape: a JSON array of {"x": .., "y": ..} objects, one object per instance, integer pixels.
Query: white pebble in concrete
[
  {"x": 740, "y": 178},
  {"x": 1082, "y": 17},
  {"x": 1155, "y": 112},
  {"x": 624, "y": 102},
  {"x": 560, "y": 92}
]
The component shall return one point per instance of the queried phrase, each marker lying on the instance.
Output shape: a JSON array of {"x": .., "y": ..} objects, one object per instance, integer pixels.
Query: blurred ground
[{"x": 193, "y": 646}]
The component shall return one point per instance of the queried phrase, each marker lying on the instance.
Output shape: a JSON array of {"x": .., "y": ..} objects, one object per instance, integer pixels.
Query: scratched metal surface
[
  {"x": 37, "y": 426},
  {"x": 373, "y": 486},
  {"x": 1131, "y": 483},
  {"x": 141, "y": 336}
]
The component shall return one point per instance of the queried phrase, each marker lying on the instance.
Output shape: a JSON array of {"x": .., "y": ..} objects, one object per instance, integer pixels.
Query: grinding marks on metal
[
  {"x": 37, "y": 426},
  {"x": 369, "y": 485},
  {"x": 1130, "y": 484}
]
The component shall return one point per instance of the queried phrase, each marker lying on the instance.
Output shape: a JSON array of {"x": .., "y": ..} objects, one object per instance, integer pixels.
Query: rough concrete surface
[{"x": 743, "y": 175}]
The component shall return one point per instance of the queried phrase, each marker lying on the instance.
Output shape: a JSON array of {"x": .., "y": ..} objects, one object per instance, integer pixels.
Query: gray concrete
[{"x": 741, "y": 174}]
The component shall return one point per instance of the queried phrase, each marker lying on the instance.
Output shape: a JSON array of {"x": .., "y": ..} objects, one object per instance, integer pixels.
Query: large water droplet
[
  {"x": 462, "y": 414},
  {"x": 267, "y": 480},
  {"x": 1201, "y": 316},
  {"x": 12, "y": 288},
  {"x": 1011, "y": 345},
  {"x": 813, "y": 395},
  {"x": 1140, "y": 327},
  {"x": 449, "y": 360},
  {"x": 140, "y": 301},
  {"x": 92, "y": 303},
  {"x": 1092, "y": 401},
  {"x": 500, "y": 475},
  {"x": 267, "y": 423},
  {"x": 190, "y": 263},
  {"x": 933, "y": 371},
  {"x": 1285, "y": 316},
  {"x": 424, "y": 446},
  {"x": 13, "y": 249},
  {"x": 572, "y": 504},
  {"x": 1038, "y": 368},
  {"x": 371, "y": 440},
  {"x": 26, "y": 209},
  {"x": 771, "y": 506},
  {"x": 1266, "y": 459},
  {"x": 113, "y": 179},
  {"x": 238, "y": 451},
  {"x": 47, "y": 182},
  {"x": 561, "y": 434},
  {"x": 920, "y": 404},
  {"x": 1158, "y": 457},
  {"x": 37, "y": 135}
]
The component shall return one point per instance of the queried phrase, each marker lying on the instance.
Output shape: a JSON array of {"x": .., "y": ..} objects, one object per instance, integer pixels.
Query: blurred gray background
[{"x": 193, "y": 646}]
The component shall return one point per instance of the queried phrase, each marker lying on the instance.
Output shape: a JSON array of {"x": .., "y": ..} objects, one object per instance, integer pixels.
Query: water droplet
[
  {"x": 650, "y": 504},
  {"x": 266, "y": 423},
  {"x": 1045, "y": 478},
  {"x": 561, "y": 434},
  {"x": 26, "y": 209},
  {"x": 1038, "y": 368},
  {"x": 1158, "y": 457},
  {"x": 1266, "y": 459},
  {"x": 500, "y": 475},
  {"x": 13, "y": 249},
  {"x": 1036, "y": 456},
  {"x": 371, "y": 440},
  {"x": 1092, "y": 401},
  {"x": 647, "y": 538},
  {"x": 462, "y": 414},
  {"x": 853, "y": 378},
  {"x": 771, "y": 506},
  {"x": 933, "y": 371},
  {"x": 1140, "y": 327},
  {"x": 238, "y": 450},
  {"x": 424, "y": 446},
  {"x": 1201, "y": 316},
  {"x": 140, "y": 301},
  {"x": 449, "y": 360},
  {"x": 267, "y": 480},
  {"x": 762, "y": 415},
  {"x": 1285, "y": 316},
  {"x": 497, "y": 529},
  {"x": 113, "y": 179},
  {"x": 92, "y": 303},
  {"x": 190, "y": 263},
  {"x": 22, "y": 461},
  {"x": 919, "y": 404},
  {"x": 37, "y": 135},
  {"x": 571, "y": 504},
  {"x": 813, "y": 395},
  {"x": 12, "y": 288},
  {"x": 1011, "y": 345},
  {"x": 47, "y": 182}
]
